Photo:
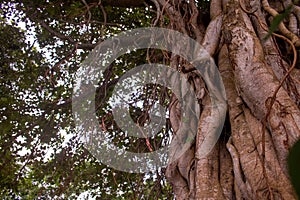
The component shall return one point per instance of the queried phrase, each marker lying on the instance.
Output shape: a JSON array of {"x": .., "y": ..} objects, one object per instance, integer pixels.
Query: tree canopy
[{"x": 43, "y": 44}]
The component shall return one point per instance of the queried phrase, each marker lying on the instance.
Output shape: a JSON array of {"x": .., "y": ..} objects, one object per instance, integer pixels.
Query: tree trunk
[{"x": 260, "y": 78}]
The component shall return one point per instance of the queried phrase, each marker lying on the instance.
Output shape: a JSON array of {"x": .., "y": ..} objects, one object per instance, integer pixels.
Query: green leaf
[
  {"x": 4, "y": 99},
  {"x": 277, "y": 20},
  {"x": 294, "y": 166}
]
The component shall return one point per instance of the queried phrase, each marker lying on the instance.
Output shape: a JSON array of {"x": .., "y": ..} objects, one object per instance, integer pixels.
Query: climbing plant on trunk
[
  {"x": 255, "y": 46},
  {"x": 261, "y": 78}
]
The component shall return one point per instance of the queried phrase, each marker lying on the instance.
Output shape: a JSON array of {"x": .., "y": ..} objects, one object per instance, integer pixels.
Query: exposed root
[{"x": 237, "y": 170}]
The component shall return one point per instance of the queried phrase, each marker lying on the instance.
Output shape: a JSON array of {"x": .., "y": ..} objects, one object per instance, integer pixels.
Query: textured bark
[
  {"x": 245, "y": 142},
  {"x": 249, "y": 161},
  {"x": 256, "y": 83}
]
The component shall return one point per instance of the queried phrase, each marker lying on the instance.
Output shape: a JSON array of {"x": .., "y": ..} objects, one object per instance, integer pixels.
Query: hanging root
[{"x": 237, "y": 170}]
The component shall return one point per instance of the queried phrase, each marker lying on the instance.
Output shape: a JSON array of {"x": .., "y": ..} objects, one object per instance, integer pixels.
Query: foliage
[
  {"x": 277, "y": 20},
  {"x": 294, "y": 166},
  {"x": 41, "y": 155}
]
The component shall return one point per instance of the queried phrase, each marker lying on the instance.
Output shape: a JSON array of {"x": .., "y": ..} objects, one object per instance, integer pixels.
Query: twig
[
  {"x": 194, "y": 19},
  {"x": 88, "y": 10},
  {"x": 68, "y": 38},
  {"x": 104, "y": 14},
  {"x": 53, "y": 32},
  {"x": 57, "y": 65},
  {"x": 157, "y": 12}
]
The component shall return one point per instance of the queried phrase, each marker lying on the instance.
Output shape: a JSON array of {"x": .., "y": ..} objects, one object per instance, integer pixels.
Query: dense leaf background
[{"x": 41, "y": 156}]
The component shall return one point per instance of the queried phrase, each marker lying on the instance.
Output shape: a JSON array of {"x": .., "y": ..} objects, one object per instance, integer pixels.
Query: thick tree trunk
[{"x": 249, "y": 161}]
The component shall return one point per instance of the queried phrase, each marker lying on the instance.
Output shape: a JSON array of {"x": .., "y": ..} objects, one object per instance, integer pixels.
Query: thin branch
[
  {"x": 273, "y": 98},
  {"x": 67, "y": 57},
  {"x": 91, "y": 22},
  {"x": 55, "y": 33},
  {"x": 174, "y": 14},
  {"x": 104, "y": 14},
  {"x": 88, "y": 10},
  {"x": 194, "y": 21},
  {"x": 84, "y": 46},
  {"x": 157, "y": 12},
  {"x": 124, "y": 3},
  {"x": 57, "y": 65}
]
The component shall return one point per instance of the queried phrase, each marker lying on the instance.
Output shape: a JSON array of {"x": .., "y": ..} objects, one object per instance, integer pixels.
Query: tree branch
[
  {"x": 124, "y": 3},
  {"x": 85, "y": 46}
]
